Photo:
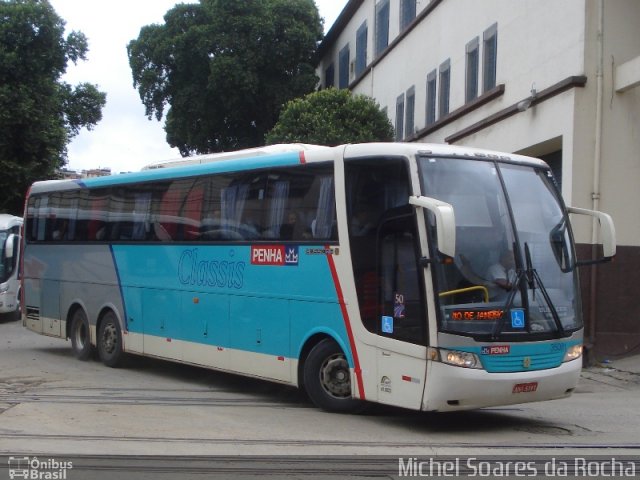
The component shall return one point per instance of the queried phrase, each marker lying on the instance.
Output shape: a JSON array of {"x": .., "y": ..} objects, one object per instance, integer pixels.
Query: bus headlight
[
  {"x": 573, "y": 353},
  {"x": 4, "y": 288},
  {"x": 454, "y": 357}
]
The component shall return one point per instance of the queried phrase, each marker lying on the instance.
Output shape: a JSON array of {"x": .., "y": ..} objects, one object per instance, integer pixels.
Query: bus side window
[
  {"x": 167, "y": 215},
  {"x": 97, "y": 225},
  {"x": 191, "y": 213}
]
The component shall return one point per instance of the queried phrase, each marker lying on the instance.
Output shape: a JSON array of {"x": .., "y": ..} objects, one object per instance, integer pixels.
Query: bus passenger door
[
  {"x": 389, "y": 282},
  {"x": 401, "y": 353}
]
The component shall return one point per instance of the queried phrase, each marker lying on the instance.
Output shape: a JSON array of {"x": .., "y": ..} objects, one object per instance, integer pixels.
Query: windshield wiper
[
  {"x": 508, "y": 304},
  {"x": 532, "y": 278}
]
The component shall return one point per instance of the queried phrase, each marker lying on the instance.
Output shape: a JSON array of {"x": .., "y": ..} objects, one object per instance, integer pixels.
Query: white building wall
[
  {"x": 524, "y": 59},
  {"x": 540, "y": 44}
]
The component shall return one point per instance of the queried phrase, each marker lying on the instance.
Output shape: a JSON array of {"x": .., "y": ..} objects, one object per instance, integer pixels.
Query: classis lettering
[{"x": 211, "y": 273}]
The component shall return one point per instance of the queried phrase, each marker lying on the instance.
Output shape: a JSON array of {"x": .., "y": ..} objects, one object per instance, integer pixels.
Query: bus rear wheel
[
  {"x": 109, "y": 342},
  {"x": 80, "y": 335},
  {"x": 327, "y": 378}
]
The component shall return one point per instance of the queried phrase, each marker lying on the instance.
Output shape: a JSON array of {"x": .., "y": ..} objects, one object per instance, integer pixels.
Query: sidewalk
[
  {"x": 630, "y": 364},
  {"x": 623, "y": 373}
]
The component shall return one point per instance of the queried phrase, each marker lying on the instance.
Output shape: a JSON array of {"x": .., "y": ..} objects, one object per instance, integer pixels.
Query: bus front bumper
[{"x": 451, "y": 388}]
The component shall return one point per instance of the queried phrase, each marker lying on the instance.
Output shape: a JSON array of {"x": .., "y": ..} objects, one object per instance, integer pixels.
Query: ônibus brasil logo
[{"x": 38, "y": 469}]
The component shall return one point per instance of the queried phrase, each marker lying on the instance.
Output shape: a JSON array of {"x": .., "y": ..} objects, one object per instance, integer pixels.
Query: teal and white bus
[
  {"x": 9, "y": 253},
  {"x": 360, "y": 273}
]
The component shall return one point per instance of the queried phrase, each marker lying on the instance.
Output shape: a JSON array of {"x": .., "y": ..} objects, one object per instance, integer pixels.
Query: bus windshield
[{"x": 512, "y": 275}]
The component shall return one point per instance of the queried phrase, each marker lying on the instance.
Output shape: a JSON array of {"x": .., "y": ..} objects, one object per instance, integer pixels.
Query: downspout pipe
[{"x": 597, "y": 160}]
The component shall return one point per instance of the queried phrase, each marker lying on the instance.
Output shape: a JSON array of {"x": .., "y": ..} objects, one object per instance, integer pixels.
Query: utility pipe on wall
[{"x": 597, "y": 160}]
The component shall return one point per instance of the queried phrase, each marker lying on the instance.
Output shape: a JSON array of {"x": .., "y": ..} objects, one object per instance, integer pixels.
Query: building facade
[{"x": 555, "y": 80}]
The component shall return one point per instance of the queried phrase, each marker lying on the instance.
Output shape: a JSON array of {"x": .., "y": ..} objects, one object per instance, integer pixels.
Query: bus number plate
[{"x": 525, "y": 387}]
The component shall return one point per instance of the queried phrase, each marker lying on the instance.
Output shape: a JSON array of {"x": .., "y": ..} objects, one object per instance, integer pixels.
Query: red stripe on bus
[
  {"x": 301, "y": 157},
  {"x": 347, "y": 323}
]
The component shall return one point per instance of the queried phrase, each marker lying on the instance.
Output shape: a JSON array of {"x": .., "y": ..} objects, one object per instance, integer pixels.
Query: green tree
[
  {"x": 222, "y": 69},
  {"x": 332, "y": 117},
  {"x": 39, "y": 114}
]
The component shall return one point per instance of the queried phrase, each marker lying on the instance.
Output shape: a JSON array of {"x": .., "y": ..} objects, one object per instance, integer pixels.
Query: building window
[
  {"x": 431, "y": 97},
  {"x": 489, "y": 57},
  {"x": 407, "y": 13},
  {"x": 472, "y": 64},
  {"x": 382, "y": 26},
  {"x": 400, "y": 118},
  {"x": 445, "y": 89},
  {"x": 409, "y": 122},
  {"x": 343, "y": 67},
  {"x": 329, "y": 76},
  {"x": 361, "y": 49}
]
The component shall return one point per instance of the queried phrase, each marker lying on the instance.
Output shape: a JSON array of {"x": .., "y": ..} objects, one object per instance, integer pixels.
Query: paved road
[{"x": 53, "y": 404}]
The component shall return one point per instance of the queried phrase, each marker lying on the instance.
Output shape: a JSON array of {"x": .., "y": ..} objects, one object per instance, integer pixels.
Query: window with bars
[
  {"x": 343, "y": 67},
  {"x": 489, "y": 57},
  {"x": 400, "y": 118},
  {"x": 410, "y": 108},
  {"x": 329, "y": 76},
  {"x": 445, "y": 88},
  {"x": 361, "y": 48},
  {"x": 472, "y": 66},
  {"x": 382, "y": 26},
  {"x": 431, "y": 97},
  {"x": 407, "y": 13}
]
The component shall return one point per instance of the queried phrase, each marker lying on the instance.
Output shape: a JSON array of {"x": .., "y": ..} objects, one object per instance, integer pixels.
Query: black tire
[
  {"x": 80, "y": 335},
  {"x": 327, "y": 378},
  {"x": 110, "y": 341}
]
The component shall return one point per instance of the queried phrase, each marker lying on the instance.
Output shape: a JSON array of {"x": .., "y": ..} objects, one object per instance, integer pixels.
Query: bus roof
[
  {"x": 276, "y": 156},
  {"x": 249, "y": 152}
]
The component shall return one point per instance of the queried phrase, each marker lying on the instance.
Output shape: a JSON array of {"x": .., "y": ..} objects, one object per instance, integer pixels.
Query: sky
[{"x": 124, "y": 140}]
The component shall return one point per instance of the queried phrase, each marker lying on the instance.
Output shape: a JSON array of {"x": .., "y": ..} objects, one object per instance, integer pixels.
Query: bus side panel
[
  {"x": 223, "y": 306},
  {"x": 260, "y": 325},
  {"x": 310, "y": 318},
  {"x": 50, "y": 307},
  {"x": 58, "y": 277},
  {"x": 32, "y": 302},
  {"x": 132, "y": 298},
  {"x": 162, "y": 318},
  {"x": 205, "y": 321}
]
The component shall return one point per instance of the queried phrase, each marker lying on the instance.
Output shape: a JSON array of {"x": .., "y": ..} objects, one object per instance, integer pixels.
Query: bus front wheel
[
  {"x": 80, "y": 335},
  {"x": 327, "y": 378},
  {"x": 110, "y": 341}
]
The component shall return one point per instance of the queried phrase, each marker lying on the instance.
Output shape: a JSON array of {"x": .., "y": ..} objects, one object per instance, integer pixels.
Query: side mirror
[
  {"x": 607, "y": 230},
  {"x": 8, "y": 246},
  {"x": 445, "y": 222}
]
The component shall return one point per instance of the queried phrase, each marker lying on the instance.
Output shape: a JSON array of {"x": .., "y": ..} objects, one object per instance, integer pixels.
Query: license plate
[{"x": 525, "y": 387}]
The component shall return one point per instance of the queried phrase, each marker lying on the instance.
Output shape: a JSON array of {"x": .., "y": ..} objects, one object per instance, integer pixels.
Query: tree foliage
[
  {"x": 331, "y": 117},
  {"x": 39, "y": 114},
  {"x": 222, "y": 69}
]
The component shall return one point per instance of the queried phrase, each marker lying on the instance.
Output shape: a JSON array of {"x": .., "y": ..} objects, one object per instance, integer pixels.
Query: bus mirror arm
[
  {"x": 607, "y": 231},
  {"x": 445, "y": 222},
  {"x": 8, "y": 251}
]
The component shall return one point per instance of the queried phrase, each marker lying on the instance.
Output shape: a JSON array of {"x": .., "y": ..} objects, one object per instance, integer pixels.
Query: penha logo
[
  {"x": 496, "y": 350},
  {"x": 275, "y": 255}
]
